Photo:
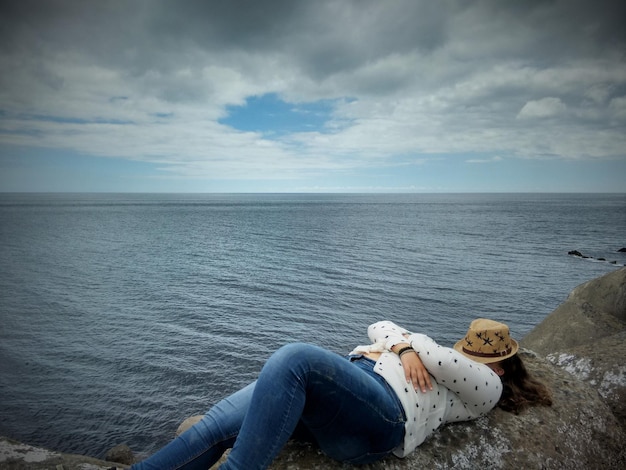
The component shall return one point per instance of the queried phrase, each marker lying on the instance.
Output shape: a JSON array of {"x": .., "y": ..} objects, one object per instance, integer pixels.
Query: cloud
[
  {"x": 484, "y": 160},
  {"x": 154, "y": 81},
  {"x": 617, "y": 106},
  {"x": 543, "y": 108}
]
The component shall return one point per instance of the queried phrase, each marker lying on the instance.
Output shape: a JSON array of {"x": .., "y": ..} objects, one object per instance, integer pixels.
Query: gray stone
[
  {"x": 121, "y": 454},
  {"x": 586, "y": 336},
  {"x": 18, "y": 456},
  {"x": 593, "y": 310},
  {"x": 188, "y": 423}
]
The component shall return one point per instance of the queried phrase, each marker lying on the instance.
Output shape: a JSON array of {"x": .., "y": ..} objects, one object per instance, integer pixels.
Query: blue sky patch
[{"x": 270, "y": 115}]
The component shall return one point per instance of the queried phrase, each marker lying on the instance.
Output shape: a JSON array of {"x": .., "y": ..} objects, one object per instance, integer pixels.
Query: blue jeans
[{"x": 341, "y": 403}]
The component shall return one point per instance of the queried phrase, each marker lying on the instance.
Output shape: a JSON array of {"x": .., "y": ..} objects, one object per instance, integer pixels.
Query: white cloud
[
  {"x": 543, "y": 108},
  {"x": 484, "y": 160}
]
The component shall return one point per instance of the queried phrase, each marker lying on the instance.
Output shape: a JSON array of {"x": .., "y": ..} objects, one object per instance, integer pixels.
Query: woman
[{"x": 383, "y": 398}]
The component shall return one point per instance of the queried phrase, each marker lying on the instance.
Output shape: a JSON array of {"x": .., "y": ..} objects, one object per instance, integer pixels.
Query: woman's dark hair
[{"x": 520, "y": 389}]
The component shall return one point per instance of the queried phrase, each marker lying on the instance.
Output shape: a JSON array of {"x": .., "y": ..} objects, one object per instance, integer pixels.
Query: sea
[{"x": 123, "y": 314}]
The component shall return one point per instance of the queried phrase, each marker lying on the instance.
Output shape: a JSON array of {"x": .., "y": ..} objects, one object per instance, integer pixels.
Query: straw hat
[{"x": 487, "y": 341}]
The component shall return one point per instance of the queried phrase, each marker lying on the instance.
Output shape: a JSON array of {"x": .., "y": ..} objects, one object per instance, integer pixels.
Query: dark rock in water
[
  {"x": 577, "y": 253},
  {"x": 580, "y": 255}
]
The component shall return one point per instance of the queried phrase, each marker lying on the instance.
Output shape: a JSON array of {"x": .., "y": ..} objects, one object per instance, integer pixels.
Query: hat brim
[{"x": 487, "y": 360}]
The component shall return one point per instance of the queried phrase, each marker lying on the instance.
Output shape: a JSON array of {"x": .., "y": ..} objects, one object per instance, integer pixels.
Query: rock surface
[
  {"x": 578, "y": 351},
  {"x": 17, "y": 456},
  {"x": 121, "y": 454},
  {"x": 592, "y": 311},
  {"x": 586, "y": 335}
]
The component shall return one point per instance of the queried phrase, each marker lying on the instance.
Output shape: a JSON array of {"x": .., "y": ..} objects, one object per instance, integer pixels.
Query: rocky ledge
[
  {"x": 18, "y": 456},
  {"x": 577, "y": 350}
]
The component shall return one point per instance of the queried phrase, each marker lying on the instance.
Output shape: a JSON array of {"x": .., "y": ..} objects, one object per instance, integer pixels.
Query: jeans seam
[
  {"x": 203, "y": 451},
  {"x": 273, "y": 450}
]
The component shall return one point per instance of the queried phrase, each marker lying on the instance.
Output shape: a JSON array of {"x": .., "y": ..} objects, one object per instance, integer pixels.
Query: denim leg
[
  {"x": 363, "y": 423},
  {"x": 353, "y": 414},
  {"x": 204, "y": 443}
]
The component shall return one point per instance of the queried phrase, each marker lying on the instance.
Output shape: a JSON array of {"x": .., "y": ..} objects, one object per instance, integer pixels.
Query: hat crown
[{"x": 488, "y": 341}]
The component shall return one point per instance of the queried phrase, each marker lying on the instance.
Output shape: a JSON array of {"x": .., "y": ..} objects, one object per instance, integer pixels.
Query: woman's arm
[
  {"x": 388, "y": 332},
  {"x": 477, "y": 386},
  {"x": 396, "y": 340}
]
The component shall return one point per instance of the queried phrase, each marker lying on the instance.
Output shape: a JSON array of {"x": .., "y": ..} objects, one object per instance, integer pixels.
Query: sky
[{"x": 386, "y": 96}]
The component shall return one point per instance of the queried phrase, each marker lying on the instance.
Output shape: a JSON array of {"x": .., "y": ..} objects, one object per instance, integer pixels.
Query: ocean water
[{"x": 122, "y": 314}]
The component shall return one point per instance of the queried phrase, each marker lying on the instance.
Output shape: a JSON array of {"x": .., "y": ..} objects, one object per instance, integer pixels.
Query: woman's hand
[{"x": 414, "y": 369}]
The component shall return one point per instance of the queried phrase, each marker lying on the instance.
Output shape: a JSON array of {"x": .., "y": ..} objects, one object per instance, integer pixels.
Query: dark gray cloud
[{"x": 322, "y": 38}]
